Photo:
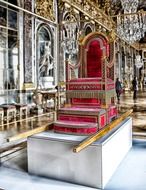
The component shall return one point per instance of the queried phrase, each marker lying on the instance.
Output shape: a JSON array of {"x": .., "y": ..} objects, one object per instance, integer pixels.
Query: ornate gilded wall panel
[
  {"x": 92, "y": 10},
  {"x": 45, "y": 8},
  {"x": 142, "y": 46},
  {"x": 69, "y": 19}
]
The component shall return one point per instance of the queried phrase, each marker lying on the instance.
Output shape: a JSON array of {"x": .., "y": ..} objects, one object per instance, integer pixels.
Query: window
[{"x": 8, "y": 47}]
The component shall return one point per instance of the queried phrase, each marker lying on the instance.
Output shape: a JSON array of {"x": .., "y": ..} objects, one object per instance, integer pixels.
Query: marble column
[{"x": 27, "y": 43}]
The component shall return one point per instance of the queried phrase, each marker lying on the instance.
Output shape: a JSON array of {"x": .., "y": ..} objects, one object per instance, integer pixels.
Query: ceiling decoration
[
  {"x": 105, "y": 13},
  {"x": 131, "y": 25},
  {"x": 115, "y": 8}
]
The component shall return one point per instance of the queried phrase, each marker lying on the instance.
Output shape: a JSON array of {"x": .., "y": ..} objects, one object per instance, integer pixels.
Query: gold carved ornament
[
  {"x": 91, "y": 10},
  {"x": 44, "y": 8}
]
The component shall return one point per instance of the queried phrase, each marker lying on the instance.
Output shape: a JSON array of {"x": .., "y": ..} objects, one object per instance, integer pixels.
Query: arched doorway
[{"x": 45, "y": 57}]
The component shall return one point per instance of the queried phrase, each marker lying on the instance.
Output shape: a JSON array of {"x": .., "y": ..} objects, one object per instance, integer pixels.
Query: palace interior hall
[{"x": 72, "y": 94}]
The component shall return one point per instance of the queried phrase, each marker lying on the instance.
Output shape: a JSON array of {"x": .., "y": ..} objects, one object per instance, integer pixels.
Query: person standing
[
  {"x": 118, "y": 87},
  {"x": 135, "y": 87}
]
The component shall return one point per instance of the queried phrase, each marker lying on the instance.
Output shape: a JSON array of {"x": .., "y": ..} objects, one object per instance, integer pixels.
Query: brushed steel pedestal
[{"x": 50, "y": 155}]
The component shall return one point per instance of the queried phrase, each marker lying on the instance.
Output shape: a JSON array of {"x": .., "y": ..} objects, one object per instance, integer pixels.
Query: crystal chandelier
[{"x": 131, "y": 26}]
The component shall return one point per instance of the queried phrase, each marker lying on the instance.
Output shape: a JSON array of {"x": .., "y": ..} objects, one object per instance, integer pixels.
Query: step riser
[
  {"x": 77, "y": 131},
  {"x": 101, "y": 119},
  {"x": 112, "y": 113},
  {"x": 70, "y": 119},
  {"x": 76, "y": 118}
]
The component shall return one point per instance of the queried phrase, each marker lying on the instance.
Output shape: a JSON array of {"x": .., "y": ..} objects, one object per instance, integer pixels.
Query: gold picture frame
[{"x": 144, "y": 54}]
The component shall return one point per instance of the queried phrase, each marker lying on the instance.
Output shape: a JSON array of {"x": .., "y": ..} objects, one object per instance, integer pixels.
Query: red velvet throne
[{"x": 90, "y": 94}]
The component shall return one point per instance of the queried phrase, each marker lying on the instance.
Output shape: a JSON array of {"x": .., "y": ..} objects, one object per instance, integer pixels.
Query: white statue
[{"x": 47, "y": 60}]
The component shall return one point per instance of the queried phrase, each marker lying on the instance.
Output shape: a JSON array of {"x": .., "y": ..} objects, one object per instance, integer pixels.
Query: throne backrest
[
  {"x": 93, "y": 50},
  {"x": 95, "y": 80}
]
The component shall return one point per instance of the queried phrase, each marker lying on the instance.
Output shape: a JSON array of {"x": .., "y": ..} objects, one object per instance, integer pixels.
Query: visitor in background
[
  {"x": 141, "y": 84},
  {"x": 135, "y": 87},
  {"x": 118, "y": 87}
]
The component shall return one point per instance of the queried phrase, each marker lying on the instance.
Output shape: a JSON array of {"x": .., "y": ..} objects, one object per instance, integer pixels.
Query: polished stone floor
[
  {"x": 126, "y": 103},
  {"x": 130, "y": 175},
  {"x": 139, "y": 109},
  {"x": 17, "y": 127}
]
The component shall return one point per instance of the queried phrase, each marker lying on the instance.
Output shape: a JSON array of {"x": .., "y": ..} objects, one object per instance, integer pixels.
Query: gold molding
[
  {"x": 30, "y": 132},
  {"x": 27, "y": 86},
  {"x": 142, "y": 46},
  {"x": 112, "y": 36},
  {"x": 91, "y": 35}
]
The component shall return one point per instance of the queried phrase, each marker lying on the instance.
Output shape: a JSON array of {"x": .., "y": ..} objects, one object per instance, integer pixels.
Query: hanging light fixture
[{"x": 131, "y": 26}]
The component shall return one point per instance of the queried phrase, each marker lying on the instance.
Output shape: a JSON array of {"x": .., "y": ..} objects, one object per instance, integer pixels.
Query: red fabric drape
[{"x": 94, "y": 60}]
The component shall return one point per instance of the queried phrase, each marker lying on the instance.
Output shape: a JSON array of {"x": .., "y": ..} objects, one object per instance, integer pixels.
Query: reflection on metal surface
[
  {"x": 103, "y": 132},
  {"x": 24, "y": 125},
  {"x": 30, "y": 132}
]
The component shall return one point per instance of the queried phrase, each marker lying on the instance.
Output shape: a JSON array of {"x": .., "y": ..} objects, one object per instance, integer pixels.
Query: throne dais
[{"x": 90, "y": 88}]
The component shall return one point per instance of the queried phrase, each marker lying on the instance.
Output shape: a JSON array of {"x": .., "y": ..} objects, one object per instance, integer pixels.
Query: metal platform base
[{"x": 51, "y": 155}]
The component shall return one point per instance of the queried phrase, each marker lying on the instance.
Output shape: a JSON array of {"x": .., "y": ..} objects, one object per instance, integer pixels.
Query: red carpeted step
[
  {"x": 80, "y": 128},
  {"x": 83, "y": 114},
  {"x": 82, "y": 110}
]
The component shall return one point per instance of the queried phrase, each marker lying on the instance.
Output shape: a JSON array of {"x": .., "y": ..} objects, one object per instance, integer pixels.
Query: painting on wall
[{"x": 144, "y": 55}]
